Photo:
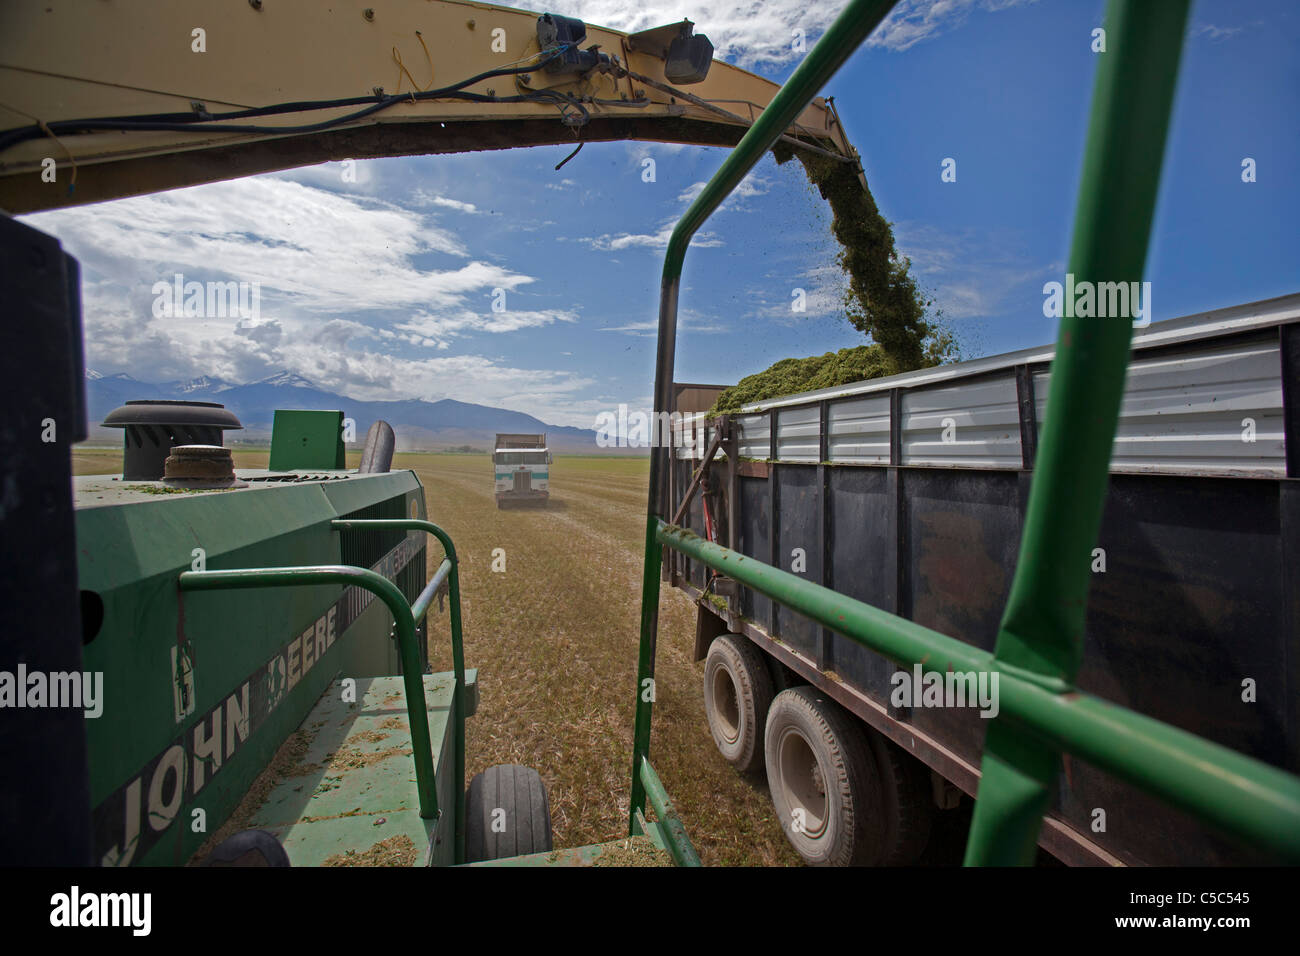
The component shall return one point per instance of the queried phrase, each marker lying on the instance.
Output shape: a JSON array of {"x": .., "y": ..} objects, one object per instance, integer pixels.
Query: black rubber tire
[
  {"x": 248, "y": 848},
  {"x": 524, "y": 824},
  {"x": 862, "y": 801},
  {"x": 737, "y": 695},
  {"x": 908, "y": 814}
]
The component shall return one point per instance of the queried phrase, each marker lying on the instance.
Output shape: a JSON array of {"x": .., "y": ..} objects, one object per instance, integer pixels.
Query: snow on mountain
[{"x": 285, "y": 378}]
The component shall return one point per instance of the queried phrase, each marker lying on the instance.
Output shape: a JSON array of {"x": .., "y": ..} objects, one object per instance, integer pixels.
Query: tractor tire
[
  {"x": 845, "y": 796},
  {"x": 507, "y": 813},
  {"x": 737, "y": 695}
]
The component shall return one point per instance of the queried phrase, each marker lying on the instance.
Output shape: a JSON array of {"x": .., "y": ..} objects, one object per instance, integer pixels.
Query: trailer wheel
[
  {"x": 737, "y": 695},
  {"x": 507, "y": 813},
  {"x": 843, "y": 798},
  {"x": 907, "y": 799}
]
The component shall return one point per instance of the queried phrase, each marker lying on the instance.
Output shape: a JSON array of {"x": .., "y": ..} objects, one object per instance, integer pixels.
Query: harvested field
[{"x": 555, "y": 638}]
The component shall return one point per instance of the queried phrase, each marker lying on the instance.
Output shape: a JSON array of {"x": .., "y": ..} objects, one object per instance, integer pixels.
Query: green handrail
[
  {"x": 1039, "y": 644},
  {"x": 1042, "y": 626},
  {"x": 450, "y": 568},
  {"x": 391, "y": 595},
  {"x": 850, "y": 28},
  {"x": 405, "y": 620},
  {"x": 670, "y": 824},
  {"x": 1238, "y": 793}
]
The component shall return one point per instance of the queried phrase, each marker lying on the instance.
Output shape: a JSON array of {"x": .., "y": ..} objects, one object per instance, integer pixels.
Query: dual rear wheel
[{"x": 845, "y": 795}]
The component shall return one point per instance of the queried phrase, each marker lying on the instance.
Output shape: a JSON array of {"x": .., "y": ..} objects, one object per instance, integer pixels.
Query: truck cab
[{"x": 521, "y": 468}]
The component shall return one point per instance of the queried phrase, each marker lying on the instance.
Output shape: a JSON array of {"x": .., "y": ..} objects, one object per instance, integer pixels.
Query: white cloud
[
  {"x": 748, "y": 33},
  {"x": 913, "y": 21},
  {"x": 688, "y": 320},
  {"x": 424, "y": 198},
  {"x": 345, "y": 288},
  {"x": 749, "y": 187},
  {"x": 1216, "y": 33},
  {"x": 757, "y": 33},
  {"x": 656, "y": 240},
  {"x": 436, "y": 330},
  {"x": 970, "y": 273},
  {"x": 320, "y": 250},
  {"x": 367, "y": 375}
]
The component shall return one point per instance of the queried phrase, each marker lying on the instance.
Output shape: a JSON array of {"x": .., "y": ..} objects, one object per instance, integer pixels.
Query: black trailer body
[{"x": 909, "y": 494}]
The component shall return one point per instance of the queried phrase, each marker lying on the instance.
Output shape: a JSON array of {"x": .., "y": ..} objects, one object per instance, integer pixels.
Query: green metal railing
[
  {"x": 670, "y": 825},
  {"x": 406, "y": 619},
  {"x": 1040, "y": 641}
]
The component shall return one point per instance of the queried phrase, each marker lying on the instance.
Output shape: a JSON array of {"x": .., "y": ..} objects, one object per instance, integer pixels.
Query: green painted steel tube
[
  {"x": 1043, "y": 624},
  {"x": 1241, "y": 795},
  {"x": 457, "y": 640},
  {"x": 841, "y": 39},
  {"x": 421, "y": 605},
  {"x": 896, "y": 637},
  {"x": 391, "y": 595},
  {"x": 679, "y": 844},
  {"x": 645, "y": 667}
]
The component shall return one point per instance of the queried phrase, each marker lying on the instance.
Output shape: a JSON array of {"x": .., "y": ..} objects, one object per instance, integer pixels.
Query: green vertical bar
[
  {"x": 457, "y": 644},
  {"x": 458, "y": 663},
  {"x": 850, "y": 28},
  {"x": 645, "y": 668},
  {"x": 1042, "y": 627}
]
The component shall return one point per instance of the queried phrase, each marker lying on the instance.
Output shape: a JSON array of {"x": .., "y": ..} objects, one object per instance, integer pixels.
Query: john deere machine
[{"x": 250, "y": 677}]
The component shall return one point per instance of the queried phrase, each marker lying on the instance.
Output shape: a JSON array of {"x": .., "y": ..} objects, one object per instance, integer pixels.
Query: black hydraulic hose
[{"x": 204, "y": 122}]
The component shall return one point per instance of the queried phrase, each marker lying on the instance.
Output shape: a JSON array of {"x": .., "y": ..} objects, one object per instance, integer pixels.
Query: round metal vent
[{"x": 154, "y": 428}]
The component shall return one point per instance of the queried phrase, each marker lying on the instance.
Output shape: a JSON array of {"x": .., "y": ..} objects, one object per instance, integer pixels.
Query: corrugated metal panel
[
  {"x": 755, "y": 435},
  {"x": 691, "y": 436},
  {"x": 975, "y": 424},
  {"x": 1187, "y": 412},
  {"x": 1189, "y": 328},
  {"x": 859, "y": 430},
  {"x": 798, "y": 433}
]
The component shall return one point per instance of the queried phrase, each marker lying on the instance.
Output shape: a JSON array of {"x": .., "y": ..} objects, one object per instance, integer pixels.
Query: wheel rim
[
  {"x": 726, "y": 705},
  {"x": 802, "y": 781}
]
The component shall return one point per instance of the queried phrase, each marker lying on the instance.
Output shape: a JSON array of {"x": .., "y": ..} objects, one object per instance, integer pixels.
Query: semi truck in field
[
  {"x": 909, "y": 493},
  {"x": 521, "y": 469}
]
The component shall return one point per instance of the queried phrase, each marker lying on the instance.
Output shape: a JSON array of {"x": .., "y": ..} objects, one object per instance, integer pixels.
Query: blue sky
[{"x": 383, "y": 287}]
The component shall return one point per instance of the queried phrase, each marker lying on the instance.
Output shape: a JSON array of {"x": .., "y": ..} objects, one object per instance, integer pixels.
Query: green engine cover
[{"x": 200, "y": 690}]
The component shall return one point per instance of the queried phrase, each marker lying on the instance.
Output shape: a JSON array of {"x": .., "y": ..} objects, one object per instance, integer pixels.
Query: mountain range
[{"x": 419, "y": 425}]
